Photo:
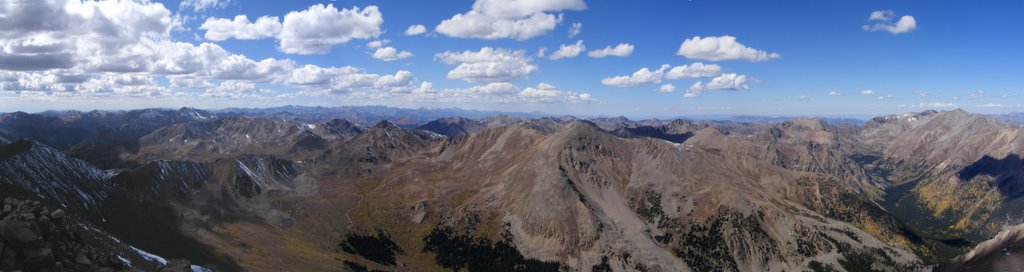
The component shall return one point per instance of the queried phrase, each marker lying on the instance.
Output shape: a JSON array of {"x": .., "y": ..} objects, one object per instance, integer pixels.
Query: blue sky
[{"x": 822, "y": 58}]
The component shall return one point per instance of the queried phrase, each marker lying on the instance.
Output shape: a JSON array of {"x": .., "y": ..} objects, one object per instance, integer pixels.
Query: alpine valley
[{"x": 386, "y": 189}]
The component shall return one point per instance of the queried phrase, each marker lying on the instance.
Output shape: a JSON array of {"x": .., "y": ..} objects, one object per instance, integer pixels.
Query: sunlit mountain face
[{"x": 485, "y": 135}]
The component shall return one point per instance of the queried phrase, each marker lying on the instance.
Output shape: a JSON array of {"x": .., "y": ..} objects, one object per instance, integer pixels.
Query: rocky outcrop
[
  {"x": 1004, "y": 252},
  {"x": 35, "y": 238}
]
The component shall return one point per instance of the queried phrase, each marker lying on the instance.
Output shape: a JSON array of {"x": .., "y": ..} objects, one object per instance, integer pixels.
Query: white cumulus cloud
[
  {"x": 496, "y": 88},
  {"x": 694, "y": 70},
  {"x": 646, "y": 76},
  {"x": 415, "y": 30},
  {"x": 621, "y": 50},
  {"x": 867, "y": 92},
  {"x": 219, "y": 29},
  {"x": 504, "y": 92},
  {"x": 881, "y": 15},
  {"x": 575, "y": 29},
  {"x": 722, "y": 48},
  {"x": 318, "y": 28},
  {"x": 641, "y": 77},
  {"x": 122, "y": 48},
  {"x": 930, "y": 105},
  {"x": 235, "y": 89},
  {"x": 547, "y": 93},
  {"x": 497, "y": 19},
  {"x": 390, "y": 54},
  {"x": 667, "y": 88},
  {"x": 488, "y": 65},
  {"x": 730, "y": 81},
  {"x": 42, "y": 35},
  {"x": 568, "y": 51},
  {"x": 201, "y": 5},
  {"x": 884, "y": 21}
]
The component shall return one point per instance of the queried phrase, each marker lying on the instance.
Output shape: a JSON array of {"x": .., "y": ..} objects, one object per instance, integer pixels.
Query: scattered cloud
[
  {"x": 110, "y": 55},
  {"x": 694, "y": 70},
  {"x": 548, "y": 93},
  {"x": 974, "y": 94},
  {"x": 235, "y": 89},
  {"x": 722, "y": 48},
  {"x": 125, "y": 49},
  {"x": 921, "y": 94},
  {"x": 641, "y": 77},
  {"x": 568, "y": 51},
  {"x": 867, "y": 92},
  {"x": 374, "y": 44},
  {"x": 319, "y": 81},
  {"x": 121, "y": 85},
  {"x": 803, "y": 97},
  {"x": 202, "y": 5},
  {"x": 881, "y": 15},
  {"x": 884, "y": 21},
  {"x": 621, "y": 50},
  {"x": 575, "y": 29},
  {"x": 188, "y": 82},
  {"x": 219, "y": 29},
  {"x": 312, "y": 31},
  {"x": 885, "y": 96},
  {"x": 646, "y": 76},
  {"x": 667, "y": 88},
  {"x": 991, "y": 106},
  {"x": 488, "y": 65},
  {"x": 504, "y": 92},
  {"x": 317, "y": 29},
  {"x": 730, "y": 81},
  {"x": 386, "y": 53},
  {"x": 390, "y": 54},
  {"x": 834, "y": 93},
  {"x": 496, "y": 88},
  {"x": 496, "y": 19},
  {"x": 929, "y": 105},
  {"x": 541, "y": 51},
  {"x": 414, "y": 30}
]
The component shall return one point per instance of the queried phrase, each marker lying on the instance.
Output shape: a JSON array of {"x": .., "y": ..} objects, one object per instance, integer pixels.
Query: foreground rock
[
  {"x": 35, "y": 238},
  {"x": 1005, "y": 252}
]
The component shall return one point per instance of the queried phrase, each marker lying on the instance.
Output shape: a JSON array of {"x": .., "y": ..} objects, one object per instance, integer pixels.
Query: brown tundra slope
[
  {"x": 577, "y": 197},
  {"x": 1004, "y": 252},
  {"x": 899, "y": 193},
  {"x": 953, "y": 174}
]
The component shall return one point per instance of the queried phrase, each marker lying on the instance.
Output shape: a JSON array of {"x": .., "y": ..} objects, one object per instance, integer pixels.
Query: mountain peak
[
  {"x": 385, "y": 124},
  {"x": 959, "y": 116}
]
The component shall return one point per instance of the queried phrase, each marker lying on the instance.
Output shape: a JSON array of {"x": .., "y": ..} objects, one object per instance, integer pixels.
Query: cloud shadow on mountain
[{"x": 1007, "y": 173}]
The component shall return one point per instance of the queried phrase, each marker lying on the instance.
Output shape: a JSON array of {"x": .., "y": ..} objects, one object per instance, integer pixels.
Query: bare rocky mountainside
[{"x": 380, "y": 189}]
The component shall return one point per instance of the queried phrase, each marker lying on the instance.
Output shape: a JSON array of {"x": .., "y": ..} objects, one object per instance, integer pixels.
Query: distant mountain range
[{"x": 378, "y": 188}]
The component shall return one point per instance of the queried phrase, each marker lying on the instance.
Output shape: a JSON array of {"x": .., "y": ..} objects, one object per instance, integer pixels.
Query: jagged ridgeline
[{"x": 382, "y": 189}]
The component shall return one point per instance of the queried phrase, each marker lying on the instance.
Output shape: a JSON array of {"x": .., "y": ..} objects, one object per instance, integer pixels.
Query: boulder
[
  {"x": 39, "y": 258},
  {"x": 9, "y": 259},
  {"x": 57, "y": 215},
  {"x": 82, "y": 260},
  {"x": 21, "y": 235}
]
